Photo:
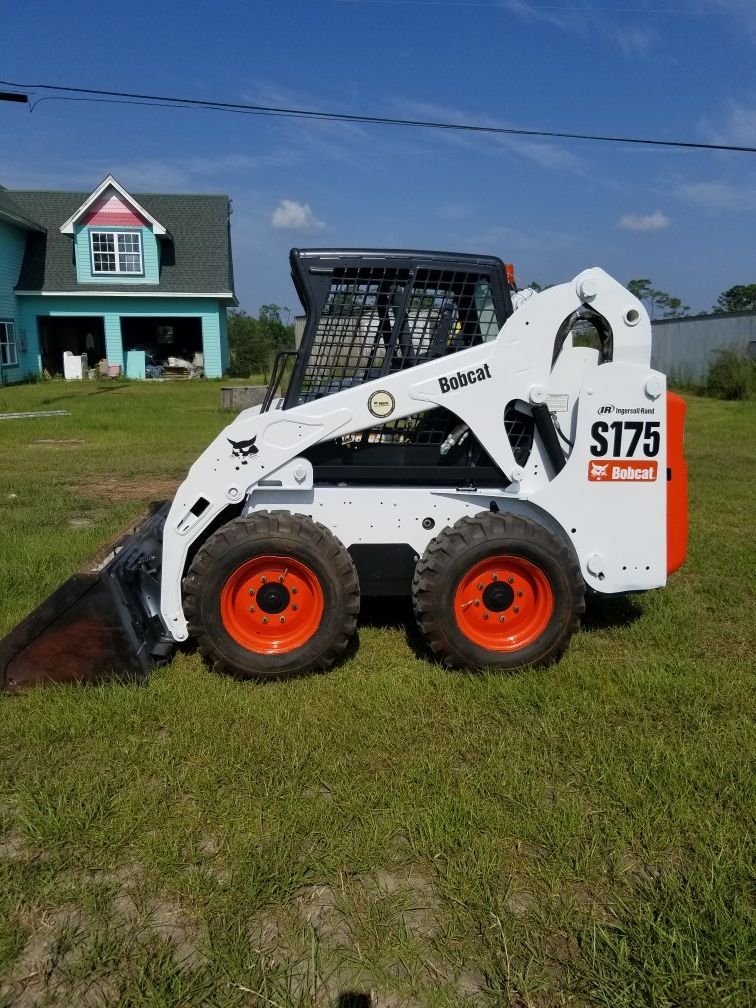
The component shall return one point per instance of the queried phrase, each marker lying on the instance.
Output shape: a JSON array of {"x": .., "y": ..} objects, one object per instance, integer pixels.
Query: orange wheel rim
[
  {"x": 503, "y": 603},
  {"x": 272, "y": 604}
]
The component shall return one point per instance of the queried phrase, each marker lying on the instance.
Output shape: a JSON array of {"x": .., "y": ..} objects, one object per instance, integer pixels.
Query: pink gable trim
[{"x": 111, "y": 211}]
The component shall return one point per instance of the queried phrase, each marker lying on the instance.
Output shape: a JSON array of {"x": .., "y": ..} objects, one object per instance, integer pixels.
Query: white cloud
[
  {"x": 292, "y": 216},
  {"x": 637, "y": 41},
  {"x": 508, "y": 240},
  {"x": 656, "y": 221},
  {"x": 735, "y": 125},
  {"x": 548, "y": 154},
  {"x": 146, "y": 175},
  {"x": 742, "y": 125},
  {"x": 530, "y": 12},
  {"x": 455, "y": 211},
  {"x": 743, "y": 12},
  {"x": 591, "y": 22},
  {"x": 719, "y": 195}
]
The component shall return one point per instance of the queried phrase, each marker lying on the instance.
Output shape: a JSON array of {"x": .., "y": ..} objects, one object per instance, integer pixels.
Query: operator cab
[{"x": 372, "y": 313}]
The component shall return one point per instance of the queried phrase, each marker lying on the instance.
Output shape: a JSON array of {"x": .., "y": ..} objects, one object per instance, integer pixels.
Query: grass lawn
[{"x": 388, "y": 834}]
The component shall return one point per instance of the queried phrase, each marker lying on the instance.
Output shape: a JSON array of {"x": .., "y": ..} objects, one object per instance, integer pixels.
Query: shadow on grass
[
  {"x": 602, "y": 613},
  {"x": 49, "y": 400},
  {"x": 353, "y": 999},
  {"x": 394, "y": 611},
  {"x": 609, "y": 612}
]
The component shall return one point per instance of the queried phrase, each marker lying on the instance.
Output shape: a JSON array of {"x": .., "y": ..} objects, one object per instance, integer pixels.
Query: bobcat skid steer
[{"x": 496, "y": 465}]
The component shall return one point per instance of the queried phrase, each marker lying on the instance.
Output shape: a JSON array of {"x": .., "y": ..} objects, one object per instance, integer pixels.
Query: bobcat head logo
[
  {"x": 243, "y": 449},
  {"x": 598, "y": 471}
]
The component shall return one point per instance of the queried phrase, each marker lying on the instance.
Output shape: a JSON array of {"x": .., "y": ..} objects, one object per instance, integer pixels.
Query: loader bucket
[{"x": 101, "y": 624}]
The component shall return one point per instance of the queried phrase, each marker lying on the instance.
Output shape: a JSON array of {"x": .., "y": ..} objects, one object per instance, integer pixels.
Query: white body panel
[{"x": 615, "y": 516}]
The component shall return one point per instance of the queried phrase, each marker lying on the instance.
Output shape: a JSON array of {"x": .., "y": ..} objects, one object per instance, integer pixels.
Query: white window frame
[
  {"x": 8, "y": 344},
  {"x": 116, "y": 252}
]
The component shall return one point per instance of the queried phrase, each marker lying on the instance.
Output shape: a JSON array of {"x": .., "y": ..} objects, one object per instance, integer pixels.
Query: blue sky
[{"x": 674, "y": 69}]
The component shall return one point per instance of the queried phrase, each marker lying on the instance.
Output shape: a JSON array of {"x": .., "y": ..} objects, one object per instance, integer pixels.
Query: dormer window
[{"x": 116, "y": 252}]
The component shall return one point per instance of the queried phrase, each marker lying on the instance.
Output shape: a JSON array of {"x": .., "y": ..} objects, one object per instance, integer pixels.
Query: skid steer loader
[{"x": 430, "y": 441}]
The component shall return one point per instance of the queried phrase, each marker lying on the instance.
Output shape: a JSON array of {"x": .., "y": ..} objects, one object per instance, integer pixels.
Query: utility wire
[
  {"x": 522, "y": 8},
  {"x": 271, "y": 110}
]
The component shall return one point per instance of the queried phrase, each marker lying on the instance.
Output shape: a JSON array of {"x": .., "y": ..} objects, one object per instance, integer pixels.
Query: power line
[
  {"x": 523, "y": 8},
  {"x": 272, "y": 110}
]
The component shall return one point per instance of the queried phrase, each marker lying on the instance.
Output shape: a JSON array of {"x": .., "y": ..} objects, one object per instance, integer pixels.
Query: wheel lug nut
[
  {"x": 511, "y": 580},
  {"x": 280, "y": 577},
  {"x": 476, "y": 602},
  {"x": 295, "y": 607},
  {"x": 282, "y": 619},
  {"x": 516, "y": 608},
  {"x": 263, "y": 579},
  {"x": 251, "y": 608},
  {"x": 251, "y": 591},
  {"x": 480, "y": 586},
  {"x": 519, "y": 594},
  {"x": 485, "y": 615},
  {"x": 494, "y": 577},
  {"x": 501, "y": 619},
  {"x": 265, "y": 619},
  {"x": 293, "y": 591}
]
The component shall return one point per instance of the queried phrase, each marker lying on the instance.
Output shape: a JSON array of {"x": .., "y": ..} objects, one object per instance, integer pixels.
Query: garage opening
[
  {"x": 80, "y": 334},
  {"x": 161, "y": 338}
]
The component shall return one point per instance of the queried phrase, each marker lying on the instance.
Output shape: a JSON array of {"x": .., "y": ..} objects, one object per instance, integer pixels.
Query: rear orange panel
[{"x": 677, "y": 484}]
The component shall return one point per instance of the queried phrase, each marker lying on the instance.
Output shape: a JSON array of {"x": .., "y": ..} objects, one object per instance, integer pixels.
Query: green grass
[{"x": 390, "y": 833}]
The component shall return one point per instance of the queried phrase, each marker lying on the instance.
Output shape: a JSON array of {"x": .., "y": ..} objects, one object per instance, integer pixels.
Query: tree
[
  {"x": 247, "y": 350},
  {"x": 740, "y": 298},
  {"x": 671, "y": 307},
  {"x": 276, "y": 334},
  {"x": 641, "y": 289},
  {"x": 658, "y": 303},
  {"x": 254, "y": 342}
]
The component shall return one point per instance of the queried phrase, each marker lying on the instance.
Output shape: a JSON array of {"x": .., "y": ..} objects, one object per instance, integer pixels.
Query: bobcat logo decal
[
  {"x": 243, "y": 449},
  {"x": 598, "y": 471}
]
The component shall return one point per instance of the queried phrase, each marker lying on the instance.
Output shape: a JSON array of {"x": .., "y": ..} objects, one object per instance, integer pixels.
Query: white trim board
[{"x": 68, "y": 227}]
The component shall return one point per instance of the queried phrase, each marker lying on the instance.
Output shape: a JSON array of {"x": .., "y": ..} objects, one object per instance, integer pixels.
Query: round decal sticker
[{"x": 381, "y": 404}]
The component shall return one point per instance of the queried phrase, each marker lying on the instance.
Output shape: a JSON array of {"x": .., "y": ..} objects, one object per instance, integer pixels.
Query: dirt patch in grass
[
  {"x": 132, "y": 489},
  {"x": 57, "y": 442},
  {"x": 366, "y": 940},
  {"x": 168, "y": 921},
  {"x": 80, "y": 522},
  {"x": 13, "y": 847},
  {"x": 49, "y": 970},
  {"x": 74, "y": 956}
]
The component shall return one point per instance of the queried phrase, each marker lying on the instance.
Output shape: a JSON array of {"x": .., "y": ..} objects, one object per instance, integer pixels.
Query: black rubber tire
[
  {"x": 271, "y": 533},
  {"x": 456, "y": 549}
]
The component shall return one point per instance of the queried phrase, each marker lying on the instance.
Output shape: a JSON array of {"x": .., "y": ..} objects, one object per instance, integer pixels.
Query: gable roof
[
  {"x": 110, "y": 183},
  {"x": 11, "y": 212},
  {"x": 195, "y": 253}
]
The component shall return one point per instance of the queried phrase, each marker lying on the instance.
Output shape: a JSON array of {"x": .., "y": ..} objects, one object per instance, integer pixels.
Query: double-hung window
[
  {"x": 8, "y": 350},
  {"x": 116, "y": 252}
]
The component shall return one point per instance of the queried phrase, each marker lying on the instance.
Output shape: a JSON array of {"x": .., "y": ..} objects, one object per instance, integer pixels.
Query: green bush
[
  {"x": 254, "y": 342},
  {"x": 731, "y": 376}
]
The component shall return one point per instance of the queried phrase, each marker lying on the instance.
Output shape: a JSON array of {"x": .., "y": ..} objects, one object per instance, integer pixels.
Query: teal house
[{"x": 108, "y": 272}]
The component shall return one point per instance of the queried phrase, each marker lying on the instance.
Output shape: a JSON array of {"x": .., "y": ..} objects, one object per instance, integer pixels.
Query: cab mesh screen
[{"x": 379, "y": 320}]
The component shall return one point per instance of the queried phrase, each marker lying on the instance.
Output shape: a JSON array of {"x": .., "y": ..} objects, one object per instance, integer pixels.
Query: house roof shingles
[
  {"x": 195, "y": 255},
  {"x": 11, "y": 211}
]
